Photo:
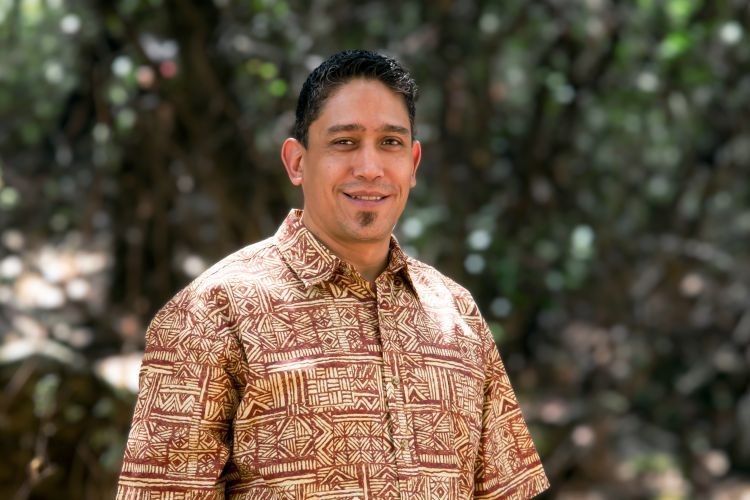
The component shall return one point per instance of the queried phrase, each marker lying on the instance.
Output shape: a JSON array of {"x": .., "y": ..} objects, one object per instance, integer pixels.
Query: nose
[{"x": 367, "y": 164}]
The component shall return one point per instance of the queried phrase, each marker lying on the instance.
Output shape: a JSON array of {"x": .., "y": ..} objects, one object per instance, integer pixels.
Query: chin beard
[{"x": 365, "y": 218}]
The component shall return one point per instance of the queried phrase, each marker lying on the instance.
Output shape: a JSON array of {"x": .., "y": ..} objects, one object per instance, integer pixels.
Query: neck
[
  {"x": 368, "y": 261},
  {"x": 369, "y": 258}
]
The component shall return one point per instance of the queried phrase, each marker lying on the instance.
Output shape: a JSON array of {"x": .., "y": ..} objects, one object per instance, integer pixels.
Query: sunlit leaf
[
  {"x": 277, "y": 87},
  {"x": 674, "y": 45}
]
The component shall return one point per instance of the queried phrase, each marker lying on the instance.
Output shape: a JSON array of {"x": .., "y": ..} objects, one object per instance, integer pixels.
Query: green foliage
[{"x": 45, "y": 395}]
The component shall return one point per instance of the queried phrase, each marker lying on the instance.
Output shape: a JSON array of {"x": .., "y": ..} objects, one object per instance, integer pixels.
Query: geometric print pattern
[{"x": 280, "y": 373}]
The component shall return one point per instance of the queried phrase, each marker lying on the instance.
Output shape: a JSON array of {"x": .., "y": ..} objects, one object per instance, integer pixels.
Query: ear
[
  {"x": 292, "y": 154},
  {"x": 416, "y": 154}
]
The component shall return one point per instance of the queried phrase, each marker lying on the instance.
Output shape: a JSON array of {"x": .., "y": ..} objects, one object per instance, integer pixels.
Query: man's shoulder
[
  {"x": 431, "y": 280},
  {"x": 446, "y": 300},
  {"x": 246, "y": 267},
  {"x": 246, "y": 264},
  {"x": 213, "y": 293}
]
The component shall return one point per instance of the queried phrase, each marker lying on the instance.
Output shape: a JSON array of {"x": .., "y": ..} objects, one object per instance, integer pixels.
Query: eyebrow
[
  {"x": 395, "y": 129},
  {"x": 357, "y": 127},
  {"x": 345, "y": 127}
]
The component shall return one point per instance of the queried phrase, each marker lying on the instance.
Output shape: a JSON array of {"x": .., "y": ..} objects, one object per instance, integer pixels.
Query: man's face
[{"x": 359, "y": 164}]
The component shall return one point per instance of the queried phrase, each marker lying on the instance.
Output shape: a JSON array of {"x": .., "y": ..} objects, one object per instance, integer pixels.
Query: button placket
[
  {"x": 400, "y": 425},
  {"x": 393, "y": 383}
]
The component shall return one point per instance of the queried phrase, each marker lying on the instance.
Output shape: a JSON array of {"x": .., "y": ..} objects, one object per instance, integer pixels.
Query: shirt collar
[
  {"x": 305, "y": 254},
  {"x": 312, "y": 261},
  {"x": 399, "y": 262}
]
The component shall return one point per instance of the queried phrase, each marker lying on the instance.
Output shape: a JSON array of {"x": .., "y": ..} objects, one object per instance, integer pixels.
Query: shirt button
[
  {"x": 397, "y": 281},
  {"x": 402, "y": 444},
  {"x": 395, "y": 381}
]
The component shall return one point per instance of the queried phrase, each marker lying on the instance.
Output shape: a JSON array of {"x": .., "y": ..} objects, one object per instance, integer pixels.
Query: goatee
[{"x": 365, "y": 218}]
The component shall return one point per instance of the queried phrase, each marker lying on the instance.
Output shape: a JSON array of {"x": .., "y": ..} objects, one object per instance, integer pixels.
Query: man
[{"x": 323, "y": 362}]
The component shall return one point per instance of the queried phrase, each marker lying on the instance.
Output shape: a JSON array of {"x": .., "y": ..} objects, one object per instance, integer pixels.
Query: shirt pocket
[
  {"x": 313, "y": 385},
  {"x": 287, "y": 414}
]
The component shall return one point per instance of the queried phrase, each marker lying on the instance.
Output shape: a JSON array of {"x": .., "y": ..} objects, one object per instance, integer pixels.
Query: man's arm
[
  {"x": 507, "y": 465},
  {"x": 178, "y": 439}
]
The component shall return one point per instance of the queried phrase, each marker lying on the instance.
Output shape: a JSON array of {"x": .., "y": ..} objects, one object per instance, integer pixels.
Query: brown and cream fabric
[{"x": 280, "y": 374}]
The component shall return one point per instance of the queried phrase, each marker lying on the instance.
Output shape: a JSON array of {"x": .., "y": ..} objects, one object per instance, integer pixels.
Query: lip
[{"x": 366, "y": 198}]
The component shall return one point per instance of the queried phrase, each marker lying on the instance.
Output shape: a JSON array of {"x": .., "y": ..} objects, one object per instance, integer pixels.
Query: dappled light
[{"x": 584, "y": 175}]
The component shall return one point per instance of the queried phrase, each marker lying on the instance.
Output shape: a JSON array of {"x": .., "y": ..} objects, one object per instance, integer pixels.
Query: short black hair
[{"x": 339, "y": 69}]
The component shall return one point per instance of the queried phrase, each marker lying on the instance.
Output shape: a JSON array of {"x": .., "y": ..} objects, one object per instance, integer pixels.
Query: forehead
[{"x": 360, "y": 99}]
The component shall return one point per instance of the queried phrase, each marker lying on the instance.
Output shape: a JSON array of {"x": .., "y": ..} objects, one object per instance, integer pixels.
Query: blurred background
[{"x": 584, "y": 176}]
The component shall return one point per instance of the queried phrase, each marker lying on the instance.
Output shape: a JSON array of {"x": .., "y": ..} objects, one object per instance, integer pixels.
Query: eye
[
  {"x": 343, "y": 142},
  {"x": 392, "y": 141}
]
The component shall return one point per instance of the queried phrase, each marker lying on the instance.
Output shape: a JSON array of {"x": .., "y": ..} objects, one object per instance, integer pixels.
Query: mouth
[
  {"x": 365, "y": 198},
  {"x": 361, "y": 197}
]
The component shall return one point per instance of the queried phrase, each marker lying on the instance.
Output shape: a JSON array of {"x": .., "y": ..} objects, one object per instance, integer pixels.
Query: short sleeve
[
  {"x": 179, "y": 442},
  {"x": 507, "y": 464}
]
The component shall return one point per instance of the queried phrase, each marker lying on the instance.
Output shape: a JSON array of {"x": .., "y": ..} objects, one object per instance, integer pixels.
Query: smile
[{"x": 365, "y": 198}]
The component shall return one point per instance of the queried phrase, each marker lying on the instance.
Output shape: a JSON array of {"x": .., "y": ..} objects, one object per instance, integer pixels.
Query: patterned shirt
[{"x": 280, "y": 373}]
